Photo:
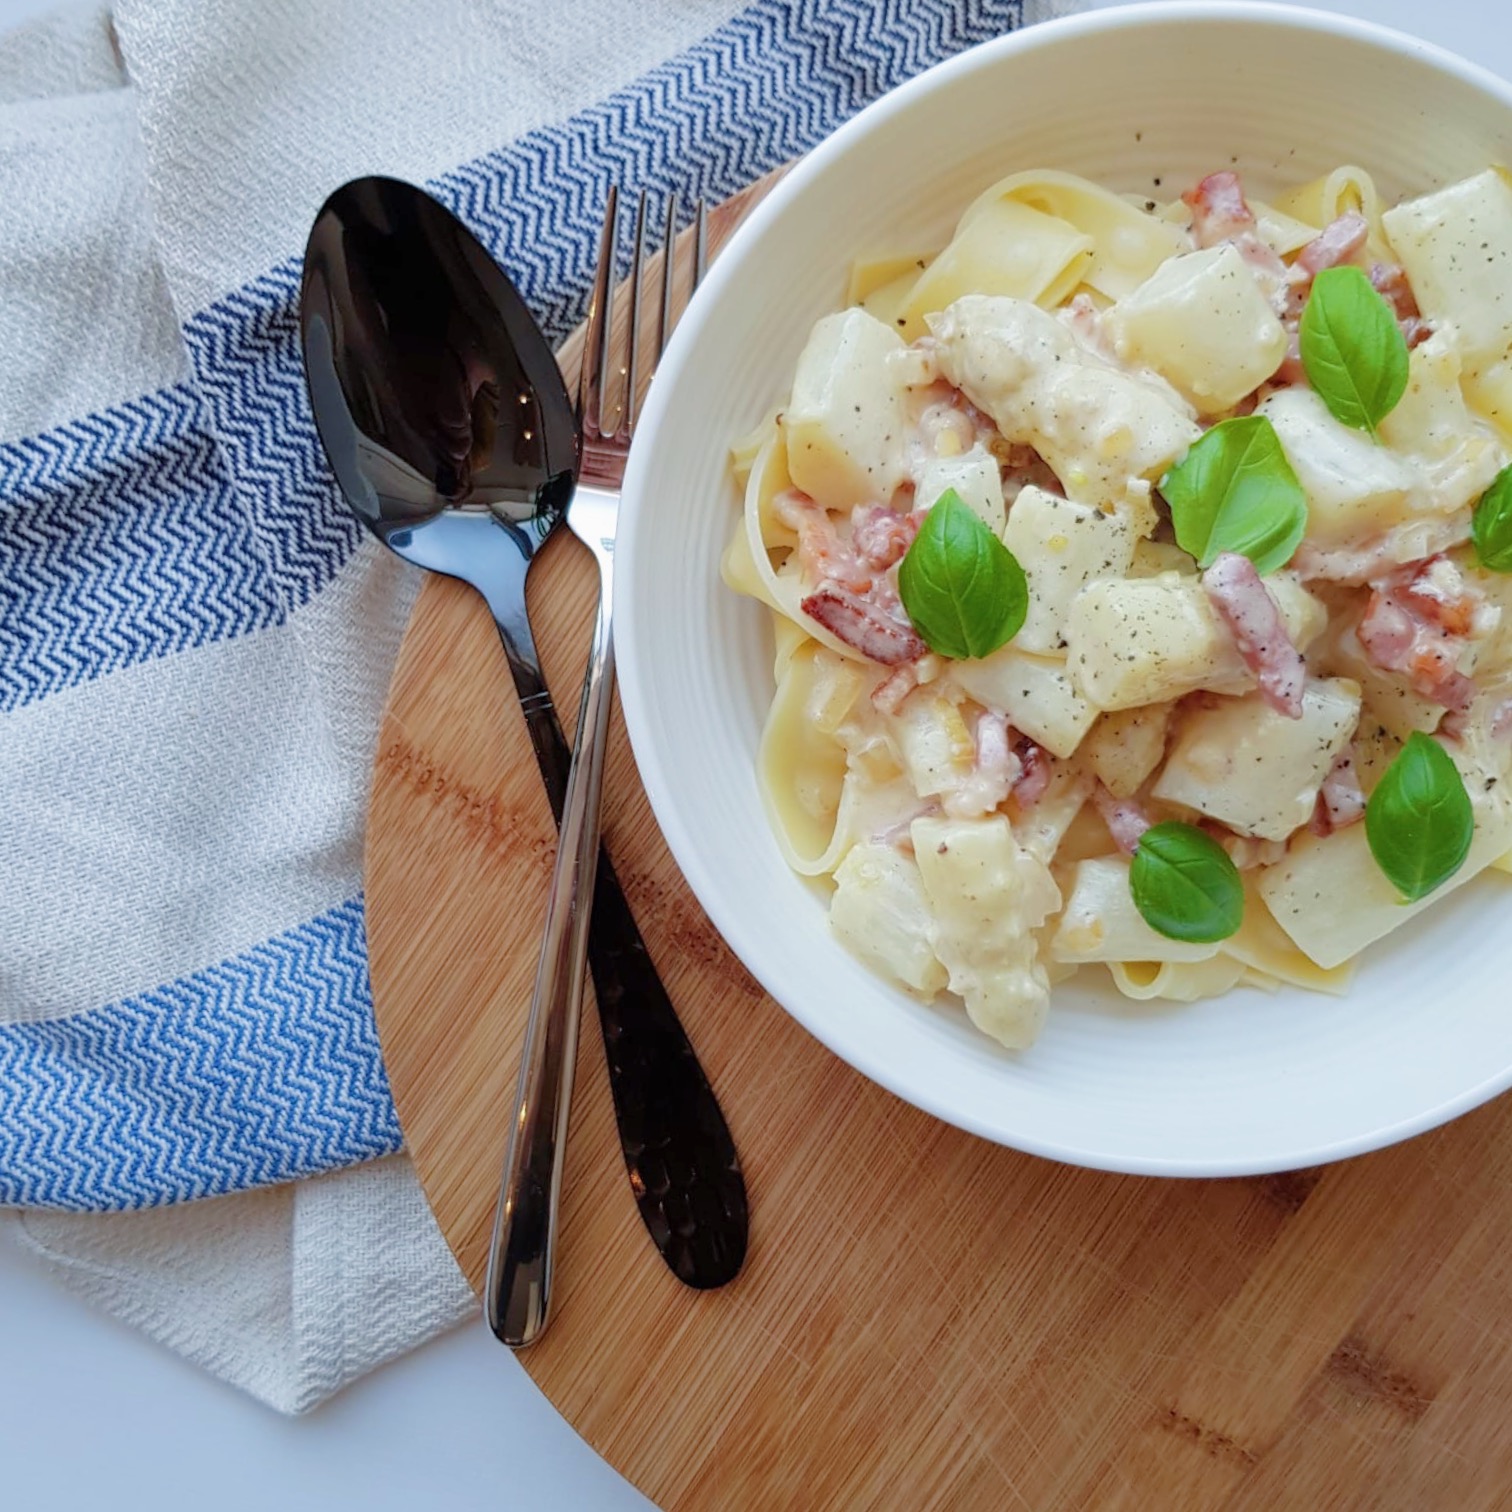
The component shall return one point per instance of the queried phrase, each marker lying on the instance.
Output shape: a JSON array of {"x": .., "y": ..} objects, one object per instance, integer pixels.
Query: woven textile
[{"x": 195, "y": 637}]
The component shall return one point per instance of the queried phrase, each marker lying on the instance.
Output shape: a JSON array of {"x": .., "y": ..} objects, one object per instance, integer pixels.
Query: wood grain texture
[{"x": 925, "y": 1320}]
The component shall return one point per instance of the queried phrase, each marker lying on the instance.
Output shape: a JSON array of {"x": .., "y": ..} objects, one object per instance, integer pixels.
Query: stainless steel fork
[{"x": 520, "y": 1261}]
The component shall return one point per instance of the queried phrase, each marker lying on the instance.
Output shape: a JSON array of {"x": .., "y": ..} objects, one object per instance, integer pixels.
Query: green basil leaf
[
  {"x": 1185, "y": 886},
  {"x": 1491, "y": 525},
  {"x": 1419, "y": 821},
  {"x": 1353, "y": 350},
  {"x": 1235, "y": 491},
  {"x": 963, "y": 589}
]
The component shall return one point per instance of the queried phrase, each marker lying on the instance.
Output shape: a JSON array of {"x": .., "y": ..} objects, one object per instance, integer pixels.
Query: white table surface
[{"x": 91, "y": 1414}]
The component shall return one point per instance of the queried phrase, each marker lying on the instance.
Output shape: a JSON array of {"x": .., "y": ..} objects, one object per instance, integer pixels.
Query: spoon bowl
[
  {"x": 440, "y": 406},
  {"x": 433, "y": 388}
]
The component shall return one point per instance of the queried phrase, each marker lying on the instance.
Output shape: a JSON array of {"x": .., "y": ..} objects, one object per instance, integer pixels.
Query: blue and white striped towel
[{"x": 194, "y": 636}]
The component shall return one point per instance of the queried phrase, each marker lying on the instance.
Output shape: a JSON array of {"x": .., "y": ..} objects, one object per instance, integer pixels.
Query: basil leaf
[
  {"x": 963, "y": 589},
  {"x": 1235, "y": 491},
  {"x": 1353, "y": 350},
  {"x": 1185, "y": 886},
  {"x": 1418, "y": 821},
  {"x": 1491, "y": 525}
]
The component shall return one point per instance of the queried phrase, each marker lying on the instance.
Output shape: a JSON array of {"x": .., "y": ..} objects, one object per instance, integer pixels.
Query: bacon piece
[
  {"x": 889, "y": 694},
  {"x": 1458, "y": 726},
  {"x": 994, "y": 770},
  {"x": 1437, "y": 587},
  {"x": 1220, "y": 213},
  {"x": 1125, "y": 819},
  {"x": 1336, "y": 243},
  {"x": 1419, "y": 621},
  {"x": 1035, "y": 772},
  {"x": 1235, "y": 591},
  {"x": 855, "y": 599},
  {"x": 876, "y": 629},
  {"x": 1339, "y": 243},
  {"x": 822, "y": 554},
  {"x": 1390, "y": 281},
  {"x": 880, "y": 536},
  {"x": 1341, "y": 802}
]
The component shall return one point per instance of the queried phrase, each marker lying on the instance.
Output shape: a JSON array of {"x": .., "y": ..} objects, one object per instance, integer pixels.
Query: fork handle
[
  {"x": 525, "y": 1223},
  {"x": 681, "y": 1159}
]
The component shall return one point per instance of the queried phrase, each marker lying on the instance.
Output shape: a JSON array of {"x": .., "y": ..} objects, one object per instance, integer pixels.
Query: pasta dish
[{"x": 1140, "y": 577}]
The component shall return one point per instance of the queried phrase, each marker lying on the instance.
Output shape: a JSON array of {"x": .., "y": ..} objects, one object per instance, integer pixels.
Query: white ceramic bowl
[{"x": 1144, "y": 99}]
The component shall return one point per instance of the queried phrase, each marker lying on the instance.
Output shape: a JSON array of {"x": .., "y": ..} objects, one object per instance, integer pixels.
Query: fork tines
[{"x": 610, "y": 391}]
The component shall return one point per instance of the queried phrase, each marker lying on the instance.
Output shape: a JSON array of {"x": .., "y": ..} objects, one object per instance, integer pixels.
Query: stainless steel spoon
[{"x": 446, "y": 421}]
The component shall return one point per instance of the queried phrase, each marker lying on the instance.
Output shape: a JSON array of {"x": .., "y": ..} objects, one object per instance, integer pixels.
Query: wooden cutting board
[{"x": 925, "y": 1320}]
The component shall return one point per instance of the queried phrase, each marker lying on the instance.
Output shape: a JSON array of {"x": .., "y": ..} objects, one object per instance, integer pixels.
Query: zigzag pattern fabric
[{"x": 203, "y": 514}]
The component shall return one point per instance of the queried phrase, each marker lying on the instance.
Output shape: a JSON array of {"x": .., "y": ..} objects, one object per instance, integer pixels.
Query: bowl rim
[{"x": 856, "y": 1049}]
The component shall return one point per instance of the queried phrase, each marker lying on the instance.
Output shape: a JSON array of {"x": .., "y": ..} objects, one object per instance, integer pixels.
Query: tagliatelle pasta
[{"x": 1244, "y": 657}]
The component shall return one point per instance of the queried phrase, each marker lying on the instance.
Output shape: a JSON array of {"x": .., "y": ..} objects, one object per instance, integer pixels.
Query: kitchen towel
[{"x": 195, "y": 638}]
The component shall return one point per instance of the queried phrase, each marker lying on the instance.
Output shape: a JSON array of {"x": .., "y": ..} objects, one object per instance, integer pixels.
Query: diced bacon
[
  {"x": 877, "y": 629},
  {"x": 1341, "y": 802},
  {"x": 1387, "y": 632},
  {"x": 1035, "y": 772},
  {"x": 1339, "y": 243},
  {"x": 1235, "y": 591},
  {"x": 1438, "y": 589},
  {"x": 993, "y": 753},
  {"x": 1336, "y": 243},
  {"x": 1125, "y": 819},
  {"x": 994, "y": 770},
  {"x": 889, "y": 694},
  {"x": 855, "y": 598},
  {"x": 1418, "y": 623},
  {"x": 880, "y": 536},
  {"x": 1459, "y": 725},
  {"x": 1390, "y": 282},
  {"x": 1415, "y": 331},
  {"x": 1220, "y": 213},
  {"x": 822, "y": 555},
  {"x": 1219, "y": 209}
]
